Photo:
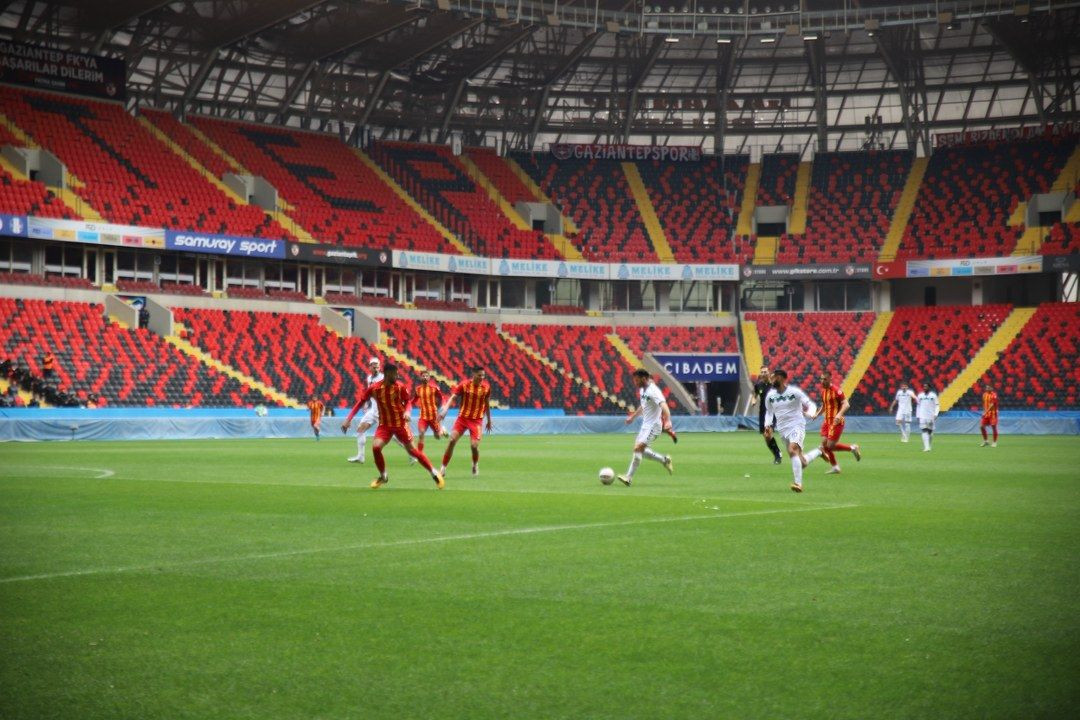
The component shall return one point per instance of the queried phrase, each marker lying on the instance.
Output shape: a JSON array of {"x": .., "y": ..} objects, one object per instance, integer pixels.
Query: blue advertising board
[
  {"x": 224, "y": 244},
  {"x": 700, "y": 367},
  {"x": 12, "y": 225}
]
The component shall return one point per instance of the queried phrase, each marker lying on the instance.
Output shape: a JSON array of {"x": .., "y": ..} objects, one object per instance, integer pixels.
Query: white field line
[
  {"x": 99, "y": 473},
  {"x": 404, "y": 543}
]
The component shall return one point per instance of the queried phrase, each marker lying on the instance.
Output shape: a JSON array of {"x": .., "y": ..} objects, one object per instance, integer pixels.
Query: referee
[{"x": 761, "y": 389}]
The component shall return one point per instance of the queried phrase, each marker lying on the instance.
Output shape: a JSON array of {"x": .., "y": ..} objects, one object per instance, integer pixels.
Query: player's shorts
[
  {"x": 315, "y": 422},
  {"x": 831, "y": 432},
  {"x": 761, "y": 423},
  {"x": 648, "y": 433},
  {"x": 794, "y": 434},
  {"x": 989, "y": 419},
  {"x": 903, "y": 417},
  {"x": 371, "y": 416},
  {"x": 475, "y": 428},
  {"x": 384, "y": 433},
  {"x": 422, "y": 425},
  {"x": 926, "y": 424}
]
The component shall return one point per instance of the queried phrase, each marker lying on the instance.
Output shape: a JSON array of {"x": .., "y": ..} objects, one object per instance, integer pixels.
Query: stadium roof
[{"x": 745, "y": 76}]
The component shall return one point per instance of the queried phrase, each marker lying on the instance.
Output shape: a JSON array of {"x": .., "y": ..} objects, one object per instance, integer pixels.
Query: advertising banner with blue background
[
  {"x": 224, "y": 244},
  {"x": 700, "y": 367},
  {"x": 12, "y": 226}
]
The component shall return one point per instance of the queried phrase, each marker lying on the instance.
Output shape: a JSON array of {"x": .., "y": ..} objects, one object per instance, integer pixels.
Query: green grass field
[{"x": 263, "y": 579}]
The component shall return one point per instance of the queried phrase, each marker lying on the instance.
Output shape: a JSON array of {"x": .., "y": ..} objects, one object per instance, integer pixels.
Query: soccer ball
[{"x": 607, "y": 475}]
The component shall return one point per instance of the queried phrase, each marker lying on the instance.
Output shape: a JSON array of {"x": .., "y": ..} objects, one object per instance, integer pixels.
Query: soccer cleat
[
  {"x": 994, "y": 444},
  {"x": 856, "y": 453},
  {"x": 440, "y": 482},
  {"x": 412, "y": 460},
  {"x": 984, "y": 444},
  {"x": 795, "y": 487},
  {"x": 669, "y": 465},
  {"x": 776, "y": 460},
  {"x": 475, "y": 469},
  {"x": 354, "y": 459},
  {"x": 624, "y": 480},
  {"x": 379, "y": 482},
  {"x": 671, "y": 432},
  {"x": 834, "y": 470}
]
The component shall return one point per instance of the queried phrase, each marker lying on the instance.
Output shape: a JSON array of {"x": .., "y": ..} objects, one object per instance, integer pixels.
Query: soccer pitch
[{"x": 263, "y": 579}]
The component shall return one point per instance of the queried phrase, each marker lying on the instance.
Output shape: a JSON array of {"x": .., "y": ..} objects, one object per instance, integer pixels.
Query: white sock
[
  {"x": 634, "y": 462},
  {"x": 796, "y": 469},
  {"x": 361, "y": 443},
  {"x": 653, "y": 455},
  {"x": 926, "y": 440},
  {"x": 812, "y": 455},
  {"x": 905, "y": 430}
]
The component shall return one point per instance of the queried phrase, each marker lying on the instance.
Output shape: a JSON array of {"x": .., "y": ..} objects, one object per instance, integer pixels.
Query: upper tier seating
[
  {"x": 698, "y": 207},
  {"x": 182, "y": 289},
  {"x": 1062, "y": 239},
  {"x": 292, "y": 353},
  {"x": 499, "y": 173},
  {"x": 562, "y": 310},
  {"x": 852, "y": 199},
  {"x": 584, "y": 351},
  {"x": 126, "y": 367},
  {"x": 654, "y": 339},
  {"x": 129, "y": 176},
  {"x": 140, "y": 286},
  {"x": 596, "y": 196},
  {"x": 517, "y": 379},
  {"x": 64, "y": 281},
  {"x": 805, "y": 343},
  {"x": 27, "y": 197},
  {"x": 925, "y": 346},
  {"x": 432, "y": 175},
  {"x": 333, "y": 194},
  {"x": 777, "y": 183},
  {"x": 969, "y": 193},
  {"x": 1038, "y": 370}
]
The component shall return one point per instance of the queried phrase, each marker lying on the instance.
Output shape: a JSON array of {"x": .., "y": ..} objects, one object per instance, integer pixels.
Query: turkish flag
[{"x": 894, "y": 269}]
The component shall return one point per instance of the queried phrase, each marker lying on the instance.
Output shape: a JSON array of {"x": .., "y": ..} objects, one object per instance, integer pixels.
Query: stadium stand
[
  {"x": 852, "y": 199},
  {"x": 777, "y": 183},
  {"x": 562, "y": 310},
  {"x": 1038, "y": 370},
  {"x": 334, "y": 195},
  {"x": 445, "y": 305},
  {"x": 432, "y": 175},
  {"x": 501, "y": 176},
  {"x": 1062, "y": 239},
  {"x": 291, "y": 353},
  {"x": 596, "y": 196},
  {"x": 182, "y": 289},
  {"x": 925, "y": 345},
  {"x": 517, "y": 379},
  {"x": 805, "y": 343},
  {"x": 60, "y": 281},
  {"x": 22, "y": 196},
  {"x": 96, "y": 356},
  {"x": 127, "y": 175},
  {"x": 970, "y": 192},
  {"x": 675, "y": 339},
  {"x": 697, "y": 204},
  {"x": 137, "y": 286}
]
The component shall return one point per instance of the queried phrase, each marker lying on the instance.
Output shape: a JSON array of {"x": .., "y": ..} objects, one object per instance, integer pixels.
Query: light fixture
[
  {"x": 671, "y": 39},
  {"x": 810, "y": 36},
  {"x": 723, "y": 40},
  {"x": 768, "y": 39}
]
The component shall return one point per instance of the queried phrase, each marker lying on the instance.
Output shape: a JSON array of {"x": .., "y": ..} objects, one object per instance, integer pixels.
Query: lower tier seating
[
  {"x": 654, "y": 339},
  {"x": 97, "y": 357}
]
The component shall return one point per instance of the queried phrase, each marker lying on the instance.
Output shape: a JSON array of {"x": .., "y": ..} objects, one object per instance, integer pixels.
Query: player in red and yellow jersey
[
  {"x": 833, "y": 406},
  {"x": 392, "y": 398},
  {"x": 428, "y": 397},
  {"x": 475, "y": 395},
  {"x": 315, "y": 407},
  {"x": 990, "y": 413}
]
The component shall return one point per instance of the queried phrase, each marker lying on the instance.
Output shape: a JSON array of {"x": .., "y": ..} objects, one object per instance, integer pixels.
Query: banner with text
[
  {"x": 595, "y": 151},
  {"x": 976, "y": 137},
  {"x": 1061, "y": 263},
  {"x": 821, "y": 271},
  {"x": 700, "y": 367},
  {"x": 72, "y": 72},
  {"x": 438, "y": 262},
  {"x": 97, "y": 233},
  {"x": 224, "y": 244},
  {"x": 12, "y": 225},
  {"x": 967, "y": 267},
  {"x": 338, "y": 254}
]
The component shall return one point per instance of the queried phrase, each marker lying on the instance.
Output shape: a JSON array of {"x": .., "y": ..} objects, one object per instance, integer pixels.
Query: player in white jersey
[
  {"x": 789, "y": 407},
  {"x": 655, "y": 417},
  {"x": 371, "y": 413},
  {"x": 926, "y": 410},
  {"x": 905, "y": 396}
]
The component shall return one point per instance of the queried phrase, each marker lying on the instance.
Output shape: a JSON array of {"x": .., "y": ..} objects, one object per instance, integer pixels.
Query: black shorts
[{"x": 761, "y": 423}]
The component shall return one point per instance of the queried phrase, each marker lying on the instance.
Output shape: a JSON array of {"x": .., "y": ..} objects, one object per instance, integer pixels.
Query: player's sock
[
  {"x": 773, "y": 447},
  {"x": 361, "y": 444},
  {"x": 653, "y": 455},
  {"x": 380, "y": 461},
  {"x": 842, "y": 447},
  {"x": 982, "y": 429},
  {"x": 420, "y": 446},
  {"x": 813, "y": 455},
  {"x": 796, "y": 469},
  {"x": 634, "y": 462},
  {"x": 446, "y": 457},
  {"x": 905, "y": 431},
  {"x": 995, "y": 433},
  {"x": 926, "y": 439},
  {"x": 475, "y": 455},
  {"x": 421, "y": 458}
]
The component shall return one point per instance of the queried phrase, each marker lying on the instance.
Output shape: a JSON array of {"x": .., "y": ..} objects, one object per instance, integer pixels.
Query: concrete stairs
[
  {"x": 544, "y": 360},
  {"x": 482, "y": 180},
  {"x": 527, "y": 181},
  {"x": 648, "y": 213},
  {"x": 411, "y": 202},
  {"x": 797, "y": 221},
  {"x": 202, "y": 356},
  {"x": 867, "y": 352},
  {"x": 624, "y": 351},
  {"x": 751, "y": 343},
  {"x": 765, "y": 250},
  {"x": 903, "y": 211},
  {"x": 745, "y": 226},
  {"x": 24, "y": 395},
  {"x": 987, "y": 356}
]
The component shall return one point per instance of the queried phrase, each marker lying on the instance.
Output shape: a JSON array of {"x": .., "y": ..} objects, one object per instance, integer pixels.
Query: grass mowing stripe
[{"x": 413, "y": 541}]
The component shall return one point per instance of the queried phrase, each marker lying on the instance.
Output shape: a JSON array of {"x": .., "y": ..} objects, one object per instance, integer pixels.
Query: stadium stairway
[
  {"x": 765, "y": 250},
  {"x": 624, "y": 350},
  {"x": 745, "y": 226},
  {"x": 986, "y": 357},
  {"x": 528, "y": 182},
  {"x": 273, "y": 393},
  {"x": 1030, "y": 243},
  {"x": 903, "y": 210},
  {"x": 867, "y": 352},
  {"x": 556, "y": 367},
  {"x": 648, "y": 213},
  {"x": 24, "y": 395},
  {"x": 411, "y": 202},
  {"x": 752, "y": 352},
  {"x": 561, "y": 243},
  {"x": 797, "y": 222}
]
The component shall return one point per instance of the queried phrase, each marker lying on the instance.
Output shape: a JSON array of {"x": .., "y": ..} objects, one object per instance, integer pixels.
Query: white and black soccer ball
[{"x": 607, "y": 475}]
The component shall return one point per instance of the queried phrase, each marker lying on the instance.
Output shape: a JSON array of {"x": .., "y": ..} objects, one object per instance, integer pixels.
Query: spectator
[{"x": 48, "y": 365}]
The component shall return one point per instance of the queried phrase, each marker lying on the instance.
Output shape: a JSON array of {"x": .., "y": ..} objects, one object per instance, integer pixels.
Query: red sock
[
  {"x": 422, "y": 459},
  {"x": 420, "y": 446},
  {"x": 380, "y": 462},
  {"x": 995, "y": 433},
  {"x": 828, "y": 455},
  {"x": 842, "y": 447},
  {"x": 475, "y": 455},
  {"x": 447, "y": 455},
  {"x": 982, "y": 428}
]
